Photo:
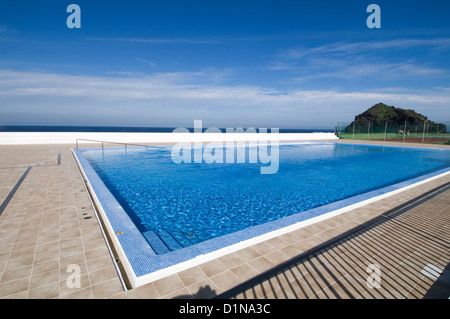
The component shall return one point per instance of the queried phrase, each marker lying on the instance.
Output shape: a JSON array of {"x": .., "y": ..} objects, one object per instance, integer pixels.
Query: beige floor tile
[
  {"x": 45, "y": 278},
  {"x": 244, "y": 271},
  {"x": 147, "y": 291},
  {"x": 19, "y": 262},
  {"x": 48, "y": 291},
  {"x": 248, "y": 254},
  {"x": 263, "y": 248},
  {"x": 13, "y": 287},
  {"x": 180, "y": 294},
  {"x": 68, "y": 285},
  {"x": 231, "y": 260},
  {"x": 204, "y": 289},
  {"x": 225, "y": 280},
  {"x": 169, "y": 284},
  {"x": 213, "y": 267},
  {"x": 14, "y": 274},
  {"x": 277, "y": 257},
  {"x": 292, "y": 251},
  {"x": 85, "y": 293},
  {"x": 192, "y": 276},
  {"x": 106, "y": 289},
  {"x": 261, "y": 264},
  {"x": 99, "y": 263},
  {"x": 45, "y": 266},
  {"x": 101, "y": 275}
]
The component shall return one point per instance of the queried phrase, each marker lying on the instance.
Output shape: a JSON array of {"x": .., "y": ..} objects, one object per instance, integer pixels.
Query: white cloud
[
  {"x": 381, "y": 70},
  {"x": 346, "y": 48},
  {"x": 176, "y": 99},
  {"x": 146, "y": 61},
  {"x": 384, "y": 60}
]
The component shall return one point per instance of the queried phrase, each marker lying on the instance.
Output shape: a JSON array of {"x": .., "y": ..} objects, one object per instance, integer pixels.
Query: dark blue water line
[{"x": 110, "y": 129}]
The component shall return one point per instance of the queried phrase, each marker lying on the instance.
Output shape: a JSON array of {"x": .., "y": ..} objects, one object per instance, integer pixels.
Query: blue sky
[{"x": 285, "y": 64}]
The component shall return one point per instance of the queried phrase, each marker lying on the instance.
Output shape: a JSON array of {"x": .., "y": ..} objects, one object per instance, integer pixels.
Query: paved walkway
[{"x": 49, "y": 224}]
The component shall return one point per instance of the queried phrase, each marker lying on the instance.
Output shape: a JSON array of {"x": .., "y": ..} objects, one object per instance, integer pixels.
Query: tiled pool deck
[{"x": 49, "y": 224}]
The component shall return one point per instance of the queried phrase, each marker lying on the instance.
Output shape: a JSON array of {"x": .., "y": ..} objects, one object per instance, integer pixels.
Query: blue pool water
[{"x": 178, "y": 205}]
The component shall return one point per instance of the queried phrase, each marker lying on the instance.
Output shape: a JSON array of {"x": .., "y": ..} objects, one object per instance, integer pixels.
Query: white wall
[{"x": 18, "y": 138}]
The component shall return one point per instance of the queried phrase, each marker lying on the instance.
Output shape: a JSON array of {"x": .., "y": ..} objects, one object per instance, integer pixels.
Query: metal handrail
[{"x": 99, "y": 141}]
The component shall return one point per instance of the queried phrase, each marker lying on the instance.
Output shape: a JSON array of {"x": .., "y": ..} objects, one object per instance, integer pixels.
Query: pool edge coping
[{"x": 104, "y": 222}]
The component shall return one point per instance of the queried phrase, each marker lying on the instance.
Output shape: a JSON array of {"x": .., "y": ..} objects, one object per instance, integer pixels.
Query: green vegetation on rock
[{"x": 378, "y": 115}]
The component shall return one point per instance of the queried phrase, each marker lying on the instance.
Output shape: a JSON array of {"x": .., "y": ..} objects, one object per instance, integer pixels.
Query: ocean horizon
[{"x": 127, "y": 129}]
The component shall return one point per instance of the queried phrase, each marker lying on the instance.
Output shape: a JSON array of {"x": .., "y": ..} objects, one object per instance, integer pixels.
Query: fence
[{"x": 425, "y": 132}]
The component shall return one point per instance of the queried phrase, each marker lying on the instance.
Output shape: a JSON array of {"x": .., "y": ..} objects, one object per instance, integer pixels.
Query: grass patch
[{"x": 414, "y": 137}]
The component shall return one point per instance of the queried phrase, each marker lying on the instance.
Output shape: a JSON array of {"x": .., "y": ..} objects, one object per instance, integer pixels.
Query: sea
[{"x": 103, "y": 129}]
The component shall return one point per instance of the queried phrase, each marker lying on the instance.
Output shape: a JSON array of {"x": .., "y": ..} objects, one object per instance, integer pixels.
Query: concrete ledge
[{"x": 22, "y": 138}]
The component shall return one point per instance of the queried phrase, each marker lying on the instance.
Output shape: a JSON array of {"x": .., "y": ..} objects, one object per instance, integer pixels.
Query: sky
[{"x": 263, "y": 64}]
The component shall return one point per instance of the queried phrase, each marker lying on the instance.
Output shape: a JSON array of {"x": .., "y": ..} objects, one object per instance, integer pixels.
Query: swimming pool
[{"x": 165, "y": 213}]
